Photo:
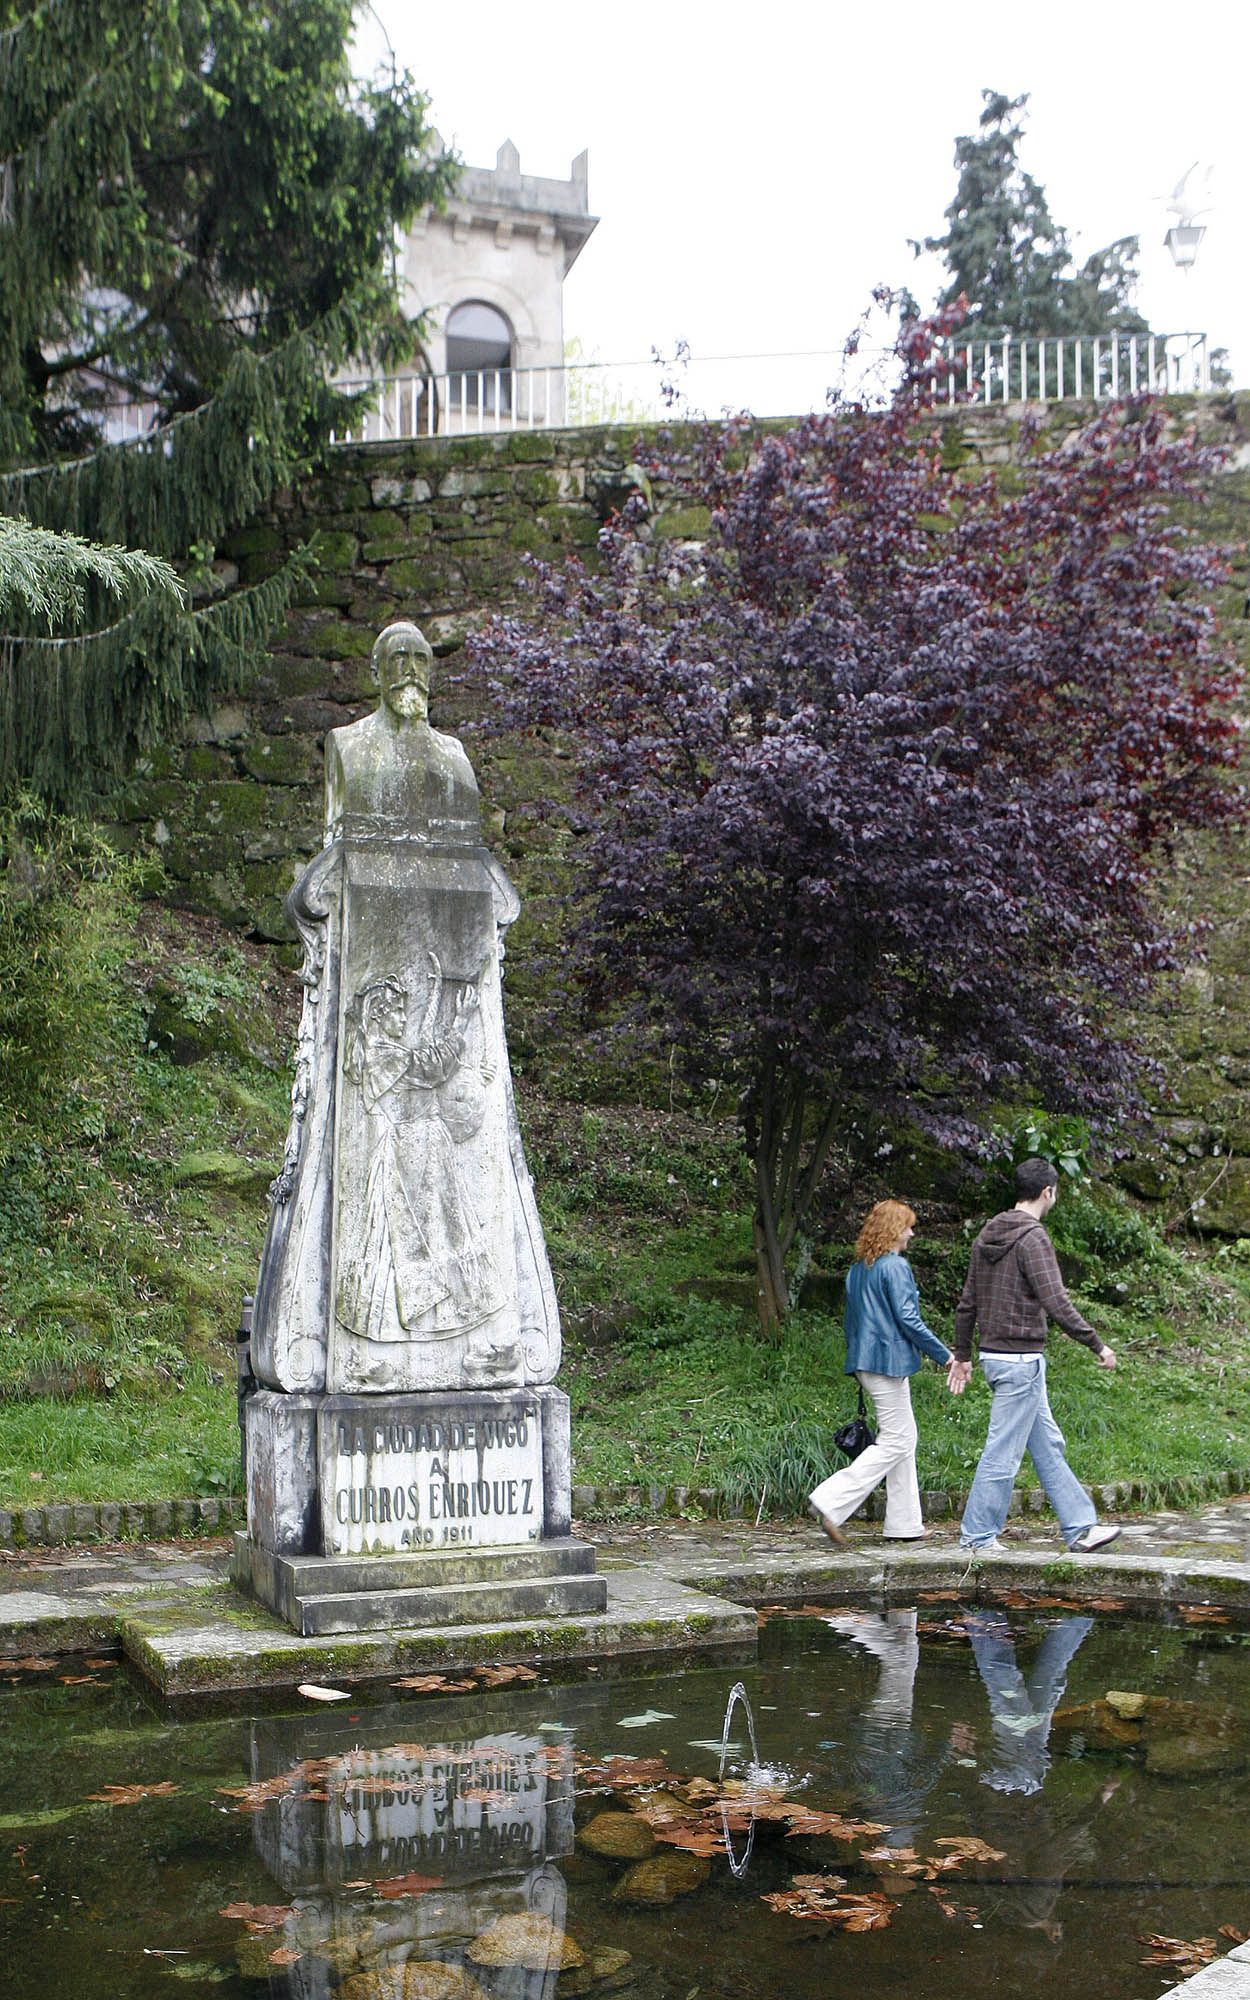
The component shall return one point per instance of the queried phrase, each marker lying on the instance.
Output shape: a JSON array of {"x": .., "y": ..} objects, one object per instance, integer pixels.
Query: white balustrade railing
[
  {"x": 1060, "y": 368},
  {"x": 1045, "y": 369}
]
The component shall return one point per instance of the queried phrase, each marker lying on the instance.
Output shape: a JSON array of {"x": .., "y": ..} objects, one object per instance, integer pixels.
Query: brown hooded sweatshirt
[{"x": 1013, "y": 1285}]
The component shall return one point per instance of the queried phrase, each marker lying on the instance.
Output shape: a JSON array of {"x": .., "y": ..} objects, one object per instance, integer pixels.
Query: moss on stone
[
  {"x": 289, "y": 759},
  {"x": 258, "y": 539},
  {"x": 335, "y": 549},
  {"x": 683, "y": 523}
]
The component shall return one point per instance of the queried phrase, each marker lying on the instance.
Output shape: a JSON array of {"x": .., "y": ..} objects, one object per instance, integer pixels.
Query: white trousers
[{"x": 892, "y": 1458}]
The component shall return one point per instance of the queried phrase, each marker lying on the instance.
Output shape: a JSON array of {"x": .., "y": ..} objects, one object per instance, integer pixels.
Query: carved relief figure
[
  {"x": 404, "y": 1248},
  {"x": 425, "y": 1267}
]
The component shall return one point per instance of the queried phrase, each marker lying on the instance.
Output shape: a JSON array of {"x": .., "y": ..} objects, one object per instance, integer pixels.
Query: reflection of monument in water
[
  {"x": 398, "y": 1859},
  {"x": 406, "y": 1436}
]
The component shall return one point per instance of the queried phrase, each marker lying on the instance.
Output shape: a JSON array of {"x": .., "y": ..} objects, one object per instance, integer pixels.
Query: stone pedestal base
[
  {"x": 317, "y": 1595},
  {"x": 375, "y": 1512}
]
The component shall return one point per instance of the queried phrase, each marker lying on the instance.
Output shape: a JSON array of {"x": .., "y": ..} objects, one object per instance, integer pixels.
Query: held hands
[{"x": 958, "y": 1375}]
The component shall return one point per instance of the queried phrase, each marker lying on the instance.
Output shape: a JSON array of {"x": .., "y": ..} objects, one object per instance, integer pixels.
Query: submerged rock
[
  {"x": 621, "y": 1836},
  {"x": 421, "y": 1979},
  {"x": 529, "y": 1940},
  {"x": 663, "y": 1878},
  {"x": 1174, "y": 1739},
  {"x": 1128, "y": 1706}
]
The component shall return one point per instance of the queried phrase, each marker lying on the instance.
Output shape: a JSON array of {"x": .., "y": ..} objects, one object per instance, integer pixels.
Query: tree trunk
[{"x": 785, "y": 1186}]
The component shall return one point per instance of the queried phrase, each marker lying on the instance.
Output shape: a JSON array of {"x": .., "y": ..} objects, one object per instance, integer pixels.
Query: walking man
[{"x": 1013, "y": 1286}]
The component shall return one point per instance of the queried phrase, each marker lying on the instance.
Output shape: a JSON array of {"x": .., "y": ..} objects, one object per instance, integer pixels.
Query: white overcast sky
[{"x": 758, "y": 168}]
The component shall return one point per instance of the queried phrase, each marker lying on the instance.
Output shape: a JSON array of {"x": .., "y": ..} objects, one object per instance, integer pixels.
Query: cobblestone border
[
  {"x": 159, "y": 1520},
  {"x": 115, "y": 1521},
  {"x": 591, "y": 1503}
]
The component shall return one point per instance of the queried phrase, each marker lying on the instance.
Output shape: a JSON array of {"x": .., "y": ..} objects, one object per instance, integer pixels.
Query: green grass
[
  {"x": 682, "y": 1391},
  {"x": 182, "y": 1444},
  {"x": 120, "y": 1281},
  {"x": 120, "y": 1285},
  {"x": 719, "y": 1409}
]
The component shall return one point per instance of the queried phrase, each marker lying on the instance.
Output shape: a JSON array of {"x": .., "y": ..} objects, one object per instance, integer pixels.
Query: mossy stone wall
[{"x": 438, "y": 530}]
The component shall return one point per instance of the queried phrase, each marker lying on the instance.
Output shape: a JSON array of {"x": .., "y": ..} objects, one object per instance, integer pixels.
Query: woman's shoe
[
  {"x": 906, "y": 1538},
  {"x": 830, "y": 1527}
]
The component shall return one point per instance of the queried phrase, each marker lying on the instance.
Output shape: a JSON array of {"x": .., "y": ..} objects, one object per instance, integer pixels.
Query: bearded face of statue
[{"x": 404, "y": 663}]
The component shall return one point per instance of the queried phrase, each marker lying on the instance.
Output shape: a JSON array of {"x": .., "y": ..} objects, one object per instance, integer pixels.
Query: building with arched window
[{"x": 489, "y": 274}]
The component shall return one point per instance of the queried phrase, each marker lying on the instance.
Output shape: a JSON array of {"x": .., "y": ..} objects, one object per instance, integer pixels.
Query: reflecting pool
[{"x": 945, "y": 1799}]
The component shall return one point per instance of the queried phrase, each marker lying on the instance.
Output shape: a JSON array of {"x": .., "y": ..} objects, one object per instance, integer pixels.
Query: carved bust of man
[{"x": 391, "y": 775}]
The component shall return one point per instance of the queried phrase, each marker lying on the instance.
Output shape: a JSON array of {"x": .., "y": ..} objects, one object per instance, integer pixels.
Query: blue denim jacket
[{"x": 885, "y": 1334}]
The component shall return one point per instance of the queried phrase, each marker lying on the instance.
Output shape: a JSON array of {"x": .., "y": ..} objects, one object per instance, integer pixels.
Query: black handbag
[{"x": 856, "y": 1436}]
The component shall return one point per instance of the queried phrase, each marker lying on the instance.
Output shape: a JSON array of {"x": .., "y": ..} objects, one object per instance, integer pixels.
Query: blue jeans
[
  {"x": 1020, "y": 1710},
  {"x": 1020, "y": 1421}
]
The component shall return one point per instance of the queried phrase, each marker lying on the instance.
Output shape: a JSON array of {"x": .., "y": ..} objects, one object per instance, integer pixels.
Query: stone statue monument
[{"x": 405, "y": 1330}]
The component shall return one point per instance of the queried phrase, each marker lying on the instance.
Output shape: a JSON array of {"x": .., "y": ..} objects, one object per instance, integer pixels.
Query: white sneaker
[
  {"x": 1093, "y": 1538},
  {"x": 991, "y": 1548}
]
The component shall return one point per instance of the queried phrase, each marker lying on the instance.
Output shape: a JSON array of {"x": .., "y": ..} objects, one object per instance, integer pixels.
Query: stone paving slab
[
  {"x": 170, "y": 1603},
  {"x": 1226, "y": 1978},
  {"x": 240, "y": 1646}
]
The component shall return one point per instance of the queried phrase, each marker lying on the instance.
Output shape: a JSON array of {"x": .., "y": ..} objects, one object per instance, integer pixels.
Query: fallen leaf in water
[
  {"x": 259, "y": 1916},
  {"x": 435, "y": 1684},
  {"x": 79, "y": 1680},
  {"x": 817, "y": 1899},
  {"x": 865, "y": 1913},
  {"x": 311, "y": 1692},
  {"x": 1186, "y": 1954},
  {"x": 1106, "y": 1604},
  {"x": 312, "y": 1772},
  {"x": 498, "y": 1677},
  {"x": 812, "y": 1901},
  {"x": 130, "y": 1795},
  {"x": 286, "y": 1954},
  {"x": 967, "y": 1911},
  {"x": 697, "y": 1790},
  {"x": 966, "y": 1847},
  {"x": 695, "y": 1839},
  {"x": 937, "y": 1597},
  {"x": 1201, "y": 1614},
  {"x": 619, "y": 1773},
  {"x": 805, "y": 1819},
  {"x": 394, "y": 1886},
  {"x": 1231, "y": 1931},
  {"x": 30, "y": 1664}
]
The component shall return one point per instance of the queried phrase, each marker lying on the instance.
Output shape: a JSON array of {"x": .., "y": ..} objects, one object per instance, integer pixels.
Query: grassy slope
[
  {"x": 677, "y": 1388},
  {"x": 122, "y": 1281}
]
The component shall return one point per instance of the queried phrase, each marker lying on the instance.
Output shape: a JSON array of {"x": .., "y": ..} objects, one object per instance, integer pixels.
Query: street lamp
[{"x": 1186, "y": 233}]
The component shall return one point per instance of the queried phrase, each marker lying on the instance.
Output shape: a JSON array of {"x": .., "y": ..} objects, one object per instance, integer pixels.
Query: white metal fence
[
  {"x": 1072, "y": 367},
  {"x": 1044, "y": 369}
]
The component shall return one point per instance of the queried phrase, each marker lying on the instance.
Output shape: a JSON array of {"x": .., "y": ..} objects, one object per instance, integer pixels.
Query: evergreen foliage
[
  {"x": 46, "y": 577},
  {"x": 197, "y": 209},
  {"x": 1010, "y": 262}
]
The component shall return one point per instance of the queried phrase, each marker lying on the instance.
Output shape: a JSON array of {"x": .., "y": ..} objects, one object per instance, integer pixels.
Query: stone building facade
[{"x": 489, "y": 271}]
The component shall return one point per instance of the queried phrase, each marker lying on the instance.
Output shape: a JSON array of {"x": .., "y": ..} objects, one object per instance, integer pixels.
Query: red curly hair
[{"x": 883, "y": 1225}]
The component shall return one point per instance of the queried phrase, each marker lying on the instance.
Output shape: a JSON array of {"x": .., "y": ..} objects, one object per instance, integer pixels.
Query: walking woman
[{"x": 886, "y": 1340}]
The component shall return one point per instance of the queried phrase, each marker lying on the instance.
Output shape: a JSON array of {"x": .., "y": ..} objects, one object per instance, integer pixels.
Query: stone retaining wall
[
  {"x": 437, "y": 530},
  {"x": 160, "y": 1520}
]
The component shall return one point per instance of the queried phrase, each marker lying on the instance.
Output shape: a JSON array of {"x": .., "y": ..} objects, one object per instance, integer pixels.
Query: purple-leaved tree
[{"x": 873, "y": 781}]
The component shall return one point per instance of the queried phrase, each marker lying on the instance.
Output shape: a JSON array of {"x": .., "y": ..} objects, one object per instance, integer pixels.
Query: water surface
[{"x": 366, "y": 1849}]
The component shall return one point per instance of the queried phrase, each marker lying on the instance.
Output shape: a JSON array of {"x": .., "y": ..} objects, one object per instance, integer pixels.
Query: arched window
[{"x": 479, "y": 358}]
